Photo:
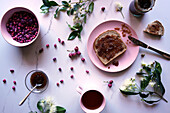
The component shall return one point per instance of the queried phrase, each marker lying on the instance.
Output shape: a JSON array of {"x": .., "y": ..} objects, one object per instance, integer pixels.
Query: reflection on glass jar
[{"x": 140, "y": 7}]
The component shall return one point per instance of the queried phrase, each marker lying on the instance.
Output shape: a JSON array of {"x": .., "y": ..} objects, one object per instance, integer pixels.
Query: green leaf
[
  {"x": 151, "y": 101},
  {"x": 84, "y": 17},
  {"x": 56, "y": 13},
  {"x": 72, "y": 11},
  {"x": 46, "y": 3},
  {"x": 145, "y": 82},
  {"x": 39, "y": 106},
  {"x": 158, "y": 67},
  {"x": 79, "y": 36},
  {"x": 53, "y": 3},
  {"x": 60, "y": 109},
  {"x": 72, "y": 28},
  {"x": 73, "y": 35},
  {"x": 76, "y": 7},
  {"x": 43, "y": 7},
  {"x": 63, "y": 9},
  {"x": 65, "y": 3},
  {"x": 91, "y": 7},
  {"x": 140, "y": 73},
  {"x": 143, "y": 94},
  {"x": 45, "y": 11},
  {"x": 68, "y": 12},
  {"x": 128, "y": 92}
]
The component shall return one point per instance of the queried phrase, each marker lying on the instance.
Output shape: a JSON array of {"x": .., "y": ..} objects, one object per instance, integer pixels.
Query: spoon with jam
[
  {"x": 38, "y": 80},
  {"x": 36, "y": 86}
]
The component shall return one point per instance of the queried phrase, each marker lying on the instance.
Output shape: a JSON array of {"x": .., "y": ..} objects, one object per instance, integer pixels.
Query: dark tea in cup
[{"x": 92, "y": 99}]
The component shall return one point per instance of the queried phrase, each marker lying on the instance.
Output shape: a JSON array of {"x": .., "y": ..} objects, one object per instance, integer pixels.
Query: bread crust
[
  {"x": 114, "y": 34},
  {"x": 155, "y": 28}
]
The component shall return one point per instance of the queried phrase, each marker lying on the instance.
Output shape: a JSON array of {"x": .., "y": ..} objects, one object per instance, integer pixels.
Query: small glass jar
[{"x": 140, "y": 7}]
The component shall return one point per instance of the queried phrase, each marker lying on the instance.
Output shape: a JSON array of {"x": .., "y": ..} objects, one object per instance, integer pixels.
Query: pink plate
[{"x": 125, "y": 60}]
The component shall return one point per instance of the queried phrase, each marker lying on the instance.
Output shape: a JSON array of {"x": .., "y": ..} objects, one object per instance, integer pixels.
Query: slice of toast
[
  {"x": 108, "y": 45},
  {"x": 155, "y": 28}
]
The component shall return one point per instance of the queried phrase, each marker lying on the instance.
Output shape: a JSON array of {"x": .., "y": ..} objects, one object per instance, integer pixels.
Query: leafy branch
[
  {"x": 150, "y": 77},
  {"x": 79, "y": 10}
]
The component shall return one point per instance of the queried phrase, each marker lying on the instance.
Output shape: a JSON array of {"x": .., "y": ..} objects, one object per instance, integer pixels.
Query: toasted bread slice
[
  {"x": 155, "y": 28},
  {"x": 108, "y": 45}
]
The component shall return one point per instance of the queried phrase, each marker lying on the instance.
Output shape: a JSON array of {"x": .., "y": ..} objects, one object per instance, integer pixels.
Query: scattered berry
[
  {"x": 4, "y": 80},
  {"x": 13, "y": 87},
  {"x": 103, "y": 8},
  {"x": 54, "y": 59},
  {"x": 62, "y": 42},
  {"x": 71, "y": 68},
  {"x": 82, "y": 59},
  {"x": 61, "y": 81},
  {"x": 59, "y": 40},
  {"x": 60, "y": 69},
  {"x": 87, "y": 71},
  {"x": 72, "y": 76},
  {"x": 111, "y": 81},
  {"x": 12, "y": 70},
  {"x": 55, "y": 45},
  {"x": 73, "y": 54},
  {"x": 142, "y": 55},
  {"x": 57, "y": 84},
  {"x": 78, "y": 53},
  {"x": 15, "y": 82},
  {"x": 109, "y": 85},
  {"x": 76, "y": 49},
  {"x": 70, "y": 55},
  {"x": 47, "y": 45},
  {"x": 41, "y": 50}
]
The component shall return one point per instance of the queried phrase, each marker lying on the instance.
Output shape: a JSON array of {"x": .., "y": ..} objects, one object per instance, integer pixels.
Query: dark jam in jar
[
  {"x": 38, "y": 78},
  {"x": 144, "y": 3}
]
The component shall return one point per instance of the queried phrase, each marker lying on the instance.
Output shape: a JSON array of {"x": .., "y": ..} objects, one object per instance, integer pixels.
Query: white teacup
[{"x": 91, "y": 100}]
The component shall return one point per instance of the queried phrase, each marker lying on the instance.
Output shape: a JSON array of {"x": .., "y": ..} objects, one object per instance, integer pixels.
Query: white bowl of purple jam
[{"x": 20, "y": 26}]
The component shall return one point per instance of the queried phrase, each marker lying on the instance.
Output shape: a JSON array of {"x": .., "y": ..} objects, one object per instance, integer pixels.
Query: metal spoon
[{"x": 37, "y": 85}]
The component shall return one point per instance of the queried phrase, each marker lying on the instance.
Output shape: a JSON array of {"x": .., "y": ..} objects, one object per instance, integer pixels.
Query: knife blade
[
  {"x": 142, "y": 44},
  {"x": 137, "y": 42}
]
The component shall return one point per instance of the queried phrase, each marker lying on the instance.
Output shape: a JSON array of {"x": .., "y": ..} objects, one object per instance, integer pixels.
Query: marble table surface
[{"x": 23, "y": 60}]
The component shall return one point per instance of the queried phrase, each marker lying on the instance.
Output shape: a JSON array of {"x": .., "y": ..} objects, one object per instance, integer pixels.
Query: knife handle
[{"x": 166, "y": 55}]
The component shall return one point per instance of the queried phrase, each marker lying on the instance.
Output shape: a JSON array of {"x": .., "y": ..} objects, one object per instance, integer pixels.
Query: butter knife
[{"x": 139, "y": 43}]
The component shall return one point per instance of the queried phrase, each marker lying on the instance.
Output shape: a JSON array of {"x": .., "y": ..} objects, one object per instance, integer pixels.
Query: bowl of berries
[{"x": 20, "y": 27}]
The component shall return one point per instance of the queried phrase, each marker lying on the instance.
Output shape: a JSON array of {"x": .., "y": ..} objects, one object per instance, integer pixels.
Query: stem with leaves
[{"x": 79, "y": 10}]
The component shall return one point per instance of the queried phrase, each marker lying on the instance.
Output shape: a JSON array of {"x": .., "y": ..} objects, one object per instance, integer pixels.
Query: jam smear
[
  {"x": 109, "y": 46},
  {"x": 38, "y": 78},
  {"x": 116, "y": 63}
]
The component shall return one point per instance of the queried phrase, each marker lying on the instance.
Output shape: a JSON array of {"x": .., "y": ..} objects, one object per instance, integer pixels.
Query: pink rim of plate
[
  {"x": 125, "y": 60},
  {"x": 4, "y": 31}
]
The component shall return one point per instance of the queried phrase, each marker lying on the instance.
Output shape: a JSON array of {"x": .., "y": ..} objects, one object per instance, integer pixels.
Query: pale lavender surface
[{"x": 23, "y": 60}]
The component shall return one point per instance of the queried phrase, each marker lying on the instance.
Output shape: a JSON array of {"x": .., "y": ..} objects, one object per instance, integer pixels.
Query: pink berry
[
  {"x": 72, "y": 76},
  {"x": 15, "y": 82},
  {"x": 70, "y": 55},
  {"x": 87, "y": 71},
  {"x": 54, "y": 59},
  {"x": 4, "y": 80},
  {"x": 103, "y": 8},
  {"x": 109, "y": 85},
  {"x": 13, "y": 87},
  {"x": 78, "y": 53},
  {"x": 82, "y": 59},
  {"x": 47, "y": 45},
  {"x": 41, "y": 50},
  {"x": 111, "y": 81},
  {"x": 59, "y": 40},
  {"x": 73, "y": 54},
  {"x": 60, "y": 69},
  {"x": 61, "y": 81},
  {"x": 62, "y": 42},
  {"x": 12, "y": 70},
  {"x": 57, "y": 84},
  {"x": 55, "y": 45},
  {"x": 76, "y": 48},
  {"x": 71, "y": 68}
]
